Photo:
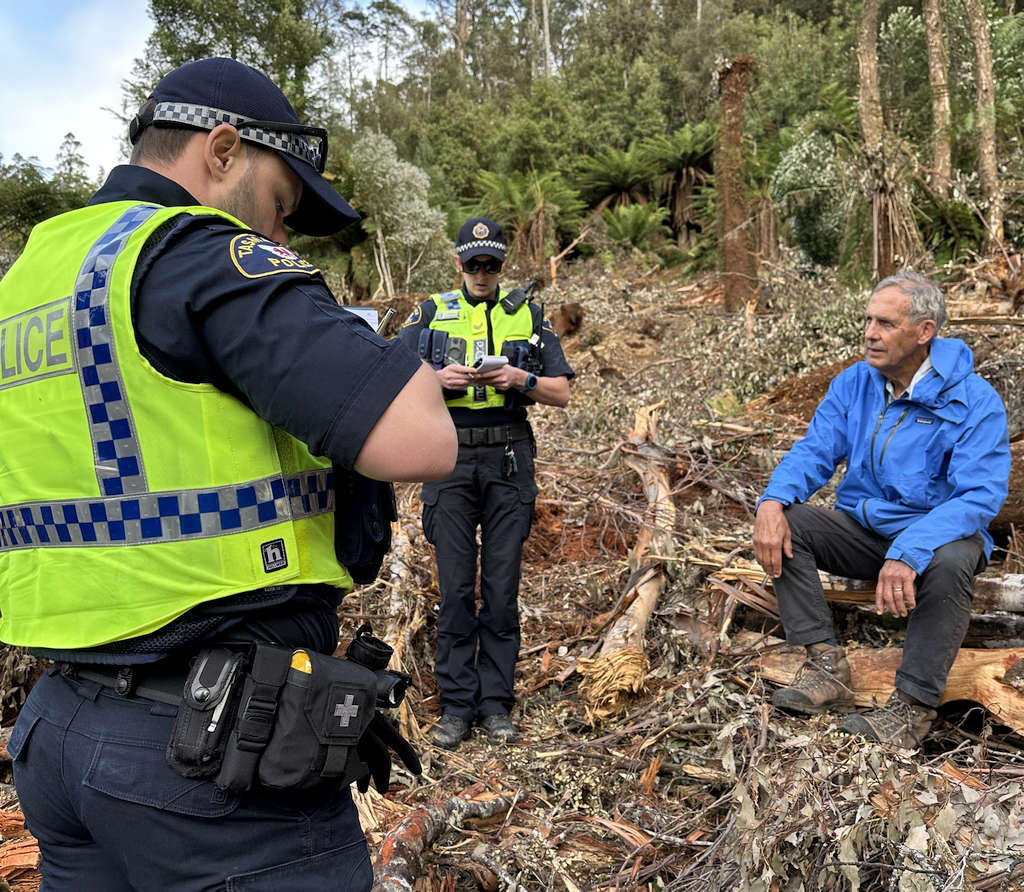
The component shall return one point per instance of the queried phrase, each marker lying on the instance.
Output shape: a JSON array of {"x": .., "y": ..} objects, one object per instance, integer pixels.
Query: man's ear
[
  {"x": 928, "y": 329},
  {"x": 222, "y": 151}
]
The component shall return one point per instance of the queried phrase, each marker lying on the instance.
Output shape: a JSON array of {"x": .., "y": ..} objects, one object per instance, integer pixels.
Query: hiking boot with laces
[
  {"x": 903, "y": 721},
  {"x": 499, "y": 729},
  {"x": 821, "y": 685},
  {"x": 449, "y": 731}
]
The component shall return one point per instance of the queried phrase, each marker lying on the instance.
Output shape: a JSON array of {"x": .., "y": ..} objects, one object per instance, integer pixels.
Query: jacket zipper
[{"x": 881, "y": 456}]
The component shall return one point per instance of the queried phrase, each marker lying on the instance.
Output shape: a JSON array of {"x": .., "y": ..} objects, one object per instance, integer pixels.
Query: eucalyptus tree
[
  {"x": 31, "y": 193},
  {"x": 283, "y": 38}
]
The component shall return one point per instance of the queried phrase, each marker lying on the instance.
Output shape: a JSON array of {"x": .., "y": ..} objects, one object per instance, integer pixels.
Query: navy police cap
[
  {"x": 480, "y": 236},
  {"x": 215, "y": 91}
]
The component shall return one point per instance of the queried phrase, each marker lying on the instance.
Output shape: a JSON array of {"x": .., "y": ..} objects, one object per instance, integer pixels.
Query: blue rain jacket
[{"x": 923, "y": 471}]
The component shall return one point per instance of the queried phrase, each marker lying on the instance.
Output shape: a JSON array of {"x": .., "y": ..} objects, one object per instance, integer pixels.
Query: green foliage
[
  {"x": 624, "y": 107},
  {"x": 455, "y": 138},
  {"x": 903, "y": 73},
  {"x": 679, "y": 163},
  {"x": 806, "y": 187},
  {"x": 637, "y": 225},
  {"x": 951, "y": 230},
  {"x": 615, "y": 177},
  {"x": 29, "y": 193},
  {"x": 532, "y": 208},
  {"x": 410, "y": 248},
  {"x": 543, "y": 130},
  {"x": 283, "y": 38}
]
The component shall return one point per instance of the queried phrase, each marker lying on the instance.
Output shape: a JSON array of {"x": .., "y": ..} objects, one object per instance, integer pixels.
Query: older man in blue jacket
[{"x": 927, "y": 458}]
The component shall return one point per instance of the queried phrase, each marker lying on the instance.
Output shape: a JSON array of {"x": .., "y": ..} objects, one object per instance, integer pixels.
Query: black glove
[{"x": 373, "y": 749}]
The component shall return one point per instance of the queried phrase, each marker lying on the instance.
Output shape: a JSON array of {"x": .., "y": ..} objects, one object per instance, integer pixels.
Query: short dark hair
[
  {"x": 159, "y": 143},
  {"x": 926, "y": 298}
]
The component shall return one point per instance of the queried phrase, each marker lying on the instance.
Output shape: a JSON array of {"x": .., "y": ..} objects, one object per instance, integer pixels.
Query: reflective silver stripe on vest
[
  {"x": 167, "y": 516},
  {"x": 128, "y": 513},
  {"x": 115, "y": 445}
]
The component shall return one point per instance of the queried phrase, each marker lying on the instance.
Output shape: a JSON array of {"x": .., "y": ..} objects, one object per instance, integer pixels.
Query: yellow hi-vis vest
[
  {"x": 486, "y": 327},
  {"x": 126, "y": 497}
]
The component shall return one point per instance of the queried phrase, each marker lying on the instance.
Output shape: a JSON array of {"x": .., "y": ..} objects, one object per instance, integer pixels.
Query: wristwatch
[{"x": 531, "y": 382}]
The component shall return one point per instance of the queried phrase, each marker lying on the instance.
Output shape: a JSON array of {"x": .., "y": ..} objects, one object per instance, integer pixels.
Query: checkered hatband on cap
[{"x": 206, "y": 118}]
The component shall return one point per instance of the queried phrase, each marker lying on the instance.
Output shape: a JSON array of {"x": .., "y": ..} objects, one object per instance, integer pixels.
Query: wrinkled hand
[
  {"x": 457, "y": 377},
  {"x": 894, "y": 592},
  {"x": 374, "y": 747},
  {"x": 772, "y": 538}
]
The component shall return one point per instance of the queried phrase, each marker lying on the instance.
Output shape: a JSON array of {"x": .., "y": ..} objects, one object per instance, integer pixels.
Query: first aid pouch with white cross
[{"x": 299, "y": 720}]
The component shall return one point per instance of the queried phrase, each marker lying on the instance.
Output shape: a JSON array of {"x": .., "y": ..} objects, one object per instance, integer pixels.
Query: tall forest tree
[
  {"x": 283, "y": 38},
  {"x": 938, "y": 66},
  {"x": 872, "y": 128},
  {"x": 986, "y": 118},
  {"x": 739, "y": 264}
]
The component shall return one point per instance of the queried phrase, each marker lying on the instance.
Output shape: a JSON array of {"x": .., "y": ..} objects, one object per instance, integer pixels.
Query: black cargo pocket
[
  {"x": 138, "y": 773},
  {"x": 347, "y": 867},
  {"x": 21, "y": 733},
  {"x": 526, "y": 476},
  {"x": 429, "y": 495}
]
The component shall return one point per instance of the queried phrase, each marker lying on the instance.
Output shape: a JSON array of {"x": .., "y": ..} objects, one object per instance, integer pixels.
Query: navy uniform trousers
[
  {"x": 111, "y": 816},
  {"x": 477, "y": 652}
]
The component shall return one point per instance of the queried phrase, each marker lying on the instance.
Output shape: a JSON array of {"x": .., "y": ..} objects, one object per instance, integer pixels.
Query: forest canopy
[{"x": 562, "y": 117}]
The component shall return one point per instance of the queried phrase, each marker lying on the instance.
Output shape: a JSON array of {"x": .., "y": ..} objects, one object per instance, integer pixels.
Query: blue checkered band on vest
[
  {"x": 206, "y": 118},
  {"x": 167, "y": 516},
  {"x": 115, "y": 446},
  {"x": 127, "y": 513}
]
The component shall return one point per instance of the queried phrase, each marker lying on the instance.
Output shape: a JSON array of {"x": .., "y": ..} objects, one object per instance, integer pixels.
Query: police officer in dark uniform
[
  {"x": 187, "y": 385},
  {"x": 492, "y": 487}
]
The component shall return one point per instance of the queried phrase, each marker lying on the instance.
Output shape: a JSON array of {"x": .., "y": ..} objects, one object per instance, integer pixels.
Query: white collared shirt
[{"x": 922, "y": 370}]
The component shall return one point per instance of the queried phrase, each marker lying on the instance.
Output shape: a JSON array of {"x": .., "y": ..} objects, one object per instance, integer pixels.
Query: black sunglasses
[{"x": 491, "y": 267}]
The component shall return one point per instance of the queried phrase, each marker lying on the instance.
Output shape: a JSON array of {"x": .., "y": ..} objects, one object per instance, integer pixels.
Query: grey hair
[{"x": 926, "y": 298}]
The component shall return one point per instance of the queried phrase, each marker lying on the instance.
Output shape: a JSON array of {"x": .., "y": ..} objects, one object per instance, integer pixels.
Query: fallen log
[
  {"x": 19, "y": 853},
  {"x": 620, "y": 669},
  {"x": 992, "y": 678},
  {"x": 402, "y": 850},
  {"x": 403, "y": 607}
]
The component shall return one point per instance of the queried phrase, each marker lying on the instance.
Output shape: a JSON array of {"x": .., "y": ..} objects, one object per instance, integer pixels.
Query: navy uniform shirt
[
  {"x": 280, "y": 343},
  {"x": 553, "y": 362}
]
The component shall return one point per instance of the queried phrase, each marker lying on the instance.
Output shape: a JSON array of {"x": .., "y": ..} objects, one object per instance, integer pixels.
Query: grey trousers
[{"x": 834, "y": 542}]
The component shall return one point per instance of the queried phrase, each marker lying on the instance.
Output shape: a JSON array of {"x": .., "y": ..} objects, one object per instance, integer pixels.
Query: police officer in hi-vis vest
[
  {"x": 461, "y": 334},
  {"x": 180, "y": 392}
]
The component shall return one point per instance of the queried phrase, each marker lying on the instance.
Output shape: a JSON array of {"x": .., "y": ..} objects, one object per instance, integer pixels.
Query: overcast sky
[{"x": 61, "y": 65}]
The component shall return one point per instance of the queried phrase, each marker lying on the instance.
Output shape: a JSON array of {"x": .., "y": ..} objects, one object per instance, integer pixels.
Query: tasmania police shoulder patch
[
  {"x": 255, "y": 257},
  {"x": 414, "y": 317}
]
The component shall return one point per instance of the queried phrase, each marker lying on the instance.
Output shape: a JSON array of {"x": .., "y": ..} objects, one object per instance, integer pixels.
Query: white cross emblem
[{"x": 346, "y": 711}]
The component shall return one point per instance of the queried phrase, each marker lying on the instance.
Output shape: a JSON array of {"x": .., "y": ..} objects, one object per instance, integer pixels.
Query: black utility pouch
[
  {"x": 324, "y": 707},
  {"x": 364, "y": 510},
  {"x": 206, "y": 714},
  {"x": 254, "y": 721}
]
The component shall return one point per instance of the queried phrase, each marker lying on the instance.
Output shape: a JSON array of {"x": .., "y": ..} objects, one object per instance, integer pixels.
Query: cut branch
[
  {"x": 620, "y": 669},
  {"x": 402, "y": 850}
]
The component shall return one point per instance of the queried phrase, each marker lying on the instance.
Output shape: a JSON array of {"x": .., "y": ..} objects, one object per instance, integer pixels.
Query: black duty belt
[
  {"x": 154, "y": 682},
  {"x": 497, "y": 435}
]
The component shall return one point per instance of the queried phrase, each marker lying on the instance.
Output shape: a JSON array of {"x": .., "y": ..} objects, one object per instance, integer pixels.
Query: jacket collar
[{"x": 130, "y": 182}]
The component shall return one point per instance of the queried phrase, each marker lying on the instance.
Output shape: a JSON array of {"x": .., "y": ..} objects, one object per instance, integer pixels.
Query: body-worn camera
[{"x": 369, "y": 651}]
